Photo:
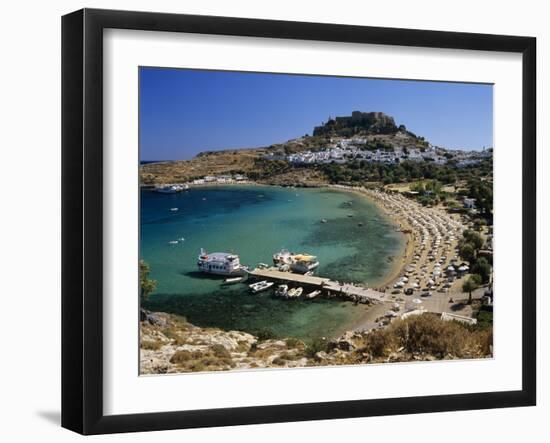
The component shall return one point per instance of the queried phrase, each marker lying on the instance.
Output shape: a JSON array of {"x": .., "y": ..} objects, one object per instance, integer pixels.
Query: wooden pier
[
  {"x": 346, "y": 290},
  {"x": 274, "y": 274},
  {"x": 356, "y": 291}
]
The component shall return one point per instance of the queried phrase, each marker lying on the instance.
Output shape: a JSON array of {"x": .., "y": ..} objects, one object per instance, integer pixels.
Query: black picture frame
[{"x": 82, "y": 218}]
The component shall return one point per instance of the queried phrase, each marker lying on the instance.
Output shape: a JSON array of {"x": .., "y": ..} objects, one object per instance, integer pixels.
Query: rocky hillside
[
  {"x": 169, "y": 344},
  {"x": 377, "y": 129},
  {"x": 208, "y": 163}
]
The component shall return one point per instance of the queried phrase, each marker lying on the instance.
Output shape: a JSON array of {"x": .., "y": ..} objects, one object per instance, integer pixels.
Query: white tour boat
[{"x": 220, "y": 263}]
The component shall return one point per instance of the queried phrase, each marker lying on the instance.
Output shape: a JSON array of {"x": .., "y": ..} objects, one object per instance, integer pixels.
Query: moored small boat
[
  {"x": 260, "y": 286},
  {"x": 281, "y": 291},
  {"x": 233, "y": 280},
  {"x": 300, "y": 263},
  {"x": 313, "y": 294},
  {"x": 170, "y": 189},
  {"x": 304, "y": 263},
  {"x": 295, "y": 292}
]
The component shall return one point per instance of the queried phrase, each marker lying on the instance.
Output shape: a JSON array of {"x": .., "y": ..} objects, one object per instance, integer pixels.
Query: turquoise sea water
[{"x": 254, "y": 222}]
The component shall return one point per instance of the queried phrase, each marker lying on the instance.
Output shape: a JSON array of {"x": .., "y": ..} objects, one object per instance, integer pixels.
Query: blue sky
[{"x": 184, "y": 112}]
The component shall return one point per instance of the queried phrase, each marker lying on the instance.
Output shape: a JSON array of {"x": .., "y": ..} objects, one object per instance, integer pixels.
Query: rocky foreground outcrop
[{"x": 169, "y": 344}]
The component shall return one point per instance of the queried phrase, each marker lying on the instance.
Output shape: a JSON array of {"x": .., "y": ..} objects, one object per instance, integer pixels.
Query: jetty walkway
[{"x": 346, "y": 290}]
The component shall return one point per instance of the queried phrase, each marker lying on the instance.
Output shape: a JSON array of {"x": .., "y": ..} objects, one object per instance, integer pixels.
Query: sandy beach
[{"x": 430, "y": 263}]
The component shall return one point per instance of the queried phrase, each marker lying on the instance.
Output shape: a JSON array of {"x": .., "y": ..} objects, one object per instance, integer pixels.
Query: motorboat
[
  {"x": 260, "y": 286},
  {"x": 295, "y": 292},
  {"x": 304, "y": 263},
  {"x": 299, "y": 263},
  {"x": 281, "y": 291},
  {"x": 233, "y": 280},
  {"x": 313, "y": 294},
  {"x": 170, "y": 189}
]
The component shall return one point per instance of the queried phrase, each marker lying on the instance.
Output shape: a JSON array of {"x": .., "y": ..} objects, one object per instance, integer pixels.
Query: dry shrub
[
  {"x": 243, "y": 346},
  {"x": 486, "y": 341},
  {"x": 220, "y": 351},
  {"x": 195, "y": 366},
  {"x": 174, "y": 336},
  {"x": 215, "y": 358},
  {"x": 261, "y": 353},
  {"x": 180, "y": 322},
  {"x": 317, "y": 345},
  {"x": 210, "y": 361},
  {"x": 227, "y": 362},
  {"x": 279, "y": 361},
  {"x": 380, "y": 342},
  {"x": 292, "y": 343},
  {"x": 428, "y": 334},
  {"x": 183, "y": 356},
  {"x": 151, "y": 345}
]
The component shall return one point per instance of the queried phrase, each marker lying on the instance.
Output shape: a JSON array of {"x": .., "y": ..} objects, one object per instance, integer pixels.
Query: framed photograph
[{"x": 269, "y": 221}]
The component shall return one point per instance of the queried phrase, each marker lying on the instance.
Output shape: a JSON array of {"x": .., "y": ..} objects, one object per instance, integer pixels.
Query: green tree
[
  {"x": 482, "y": 268},
  {"x": 482, "y": 191},
  {"x": 471, "y": 285},
  {"x": 467, "y": 251},
  {"x": 147, "y": 286},
  {"x": 474, "y": 238},
  {"x": 479, "y": 223}
]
